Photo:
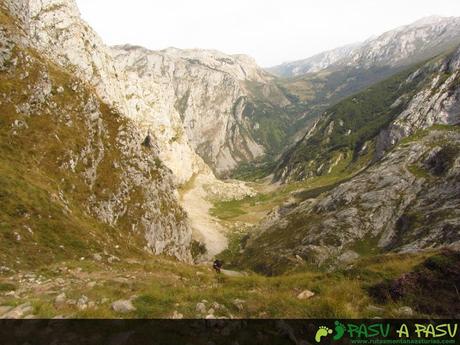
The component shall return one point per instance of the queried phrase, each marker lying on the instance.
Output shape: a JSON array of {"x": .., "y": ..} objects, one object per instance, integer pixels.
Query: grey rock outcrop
[
  {"x": 415, "y": 99},
  {"x": 192, "y": 100},
  {"x": 439, "y": 103},
  {"x": 406, "y": 202},
  {"x": 60, "y": 299},
  {"x": 314, "y": 63},
  {"x": 18, "y": 312}
]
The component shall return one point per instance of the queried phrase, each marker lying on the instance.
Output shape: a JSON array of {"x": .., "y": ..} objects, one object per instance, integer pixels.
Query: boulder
[
  {"x": 4, "y": 309},
  {"x": 176, "y": 315},
  {"x": 374, "y": 309},
  {"x": 91, "y": 284},
  {"x": 201, "y": 308},
  {"x": 348, "y": 257},
  {"x": 306, "y": 294},
  {"x": 123, "y": 306},
  {"x": 406, "y": 311},
  {"x": 61, "y": 298},
  {"x": 238, "y": 303},
  {"x": 82, "y": 302}
]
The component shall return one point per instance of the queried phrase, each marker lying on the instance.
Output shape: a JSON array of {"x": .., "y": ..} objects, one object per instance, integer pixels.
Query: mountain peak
[
  {"x": 431, "y": 20},
  {"x": 404, "y": 45}
]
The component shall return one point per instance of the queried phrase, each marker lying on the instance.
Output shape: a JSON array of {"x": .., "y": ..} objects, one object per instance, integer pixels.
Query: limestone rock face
[
  {"x": 315, "y": 63},
  {"x": 439, "y": 103},
  {"x": 405, "y": 200},
  {"x": 148, "y": 89},
  {"x": 57, "y": 30},
  {"x": 196, "y": 97},
  {"x": 193, "y": 101},
  {"x": 417, "y": 41}
]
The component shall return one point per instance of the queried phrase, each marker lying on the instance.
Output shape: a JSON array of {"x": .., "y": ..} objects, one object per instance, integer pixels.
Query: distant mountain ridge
[
  {"x": 314, "y": 63},
  {"x": 405, "y": 45}
]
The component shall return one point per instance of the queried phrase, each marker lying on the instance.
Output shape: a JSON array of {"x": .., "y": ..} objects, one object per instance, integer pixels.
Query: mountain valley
[{"x": 321, "y": 183}]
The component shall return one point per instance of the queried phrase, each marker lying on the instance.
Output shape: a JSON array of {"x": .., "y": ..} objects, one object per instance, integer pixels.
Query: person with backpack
[{"x": 217, "y": 265}]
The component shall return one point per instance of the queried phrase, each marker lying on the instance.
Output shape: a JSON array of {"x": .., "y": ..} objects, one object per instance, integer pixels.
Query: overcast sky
[{"x": 272, "y": 31}]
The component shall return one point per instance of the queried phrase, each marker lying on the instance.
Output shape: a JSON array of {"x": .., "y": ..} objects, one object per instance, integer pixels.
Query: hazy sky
[{"x": 272, "y": 31}]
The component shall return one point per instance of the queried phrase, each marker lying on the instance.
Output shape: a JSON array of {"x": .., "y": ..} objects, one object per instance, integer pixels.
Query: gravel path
[{"x": 205, "y": 228}]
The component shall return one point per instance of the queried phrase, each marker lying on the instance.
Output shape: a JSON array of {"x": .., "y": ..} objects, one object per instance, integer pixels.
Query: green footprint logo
[
  {"x": 322, "y": 332},
  {"x": 339, "y": 330}
]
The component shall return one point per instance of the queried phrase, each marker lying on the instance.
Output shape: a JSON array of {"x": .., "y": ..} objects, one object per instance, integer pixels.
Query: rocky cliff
[
  {"x": 335, "y": 75},
  {"x": 205, "y": 95},
  {"x": 72, "y": 164},
  {"x": 135, "y": 84},
  {"x": 55, "y": 28},
  {"x": 314, "y": 63}
]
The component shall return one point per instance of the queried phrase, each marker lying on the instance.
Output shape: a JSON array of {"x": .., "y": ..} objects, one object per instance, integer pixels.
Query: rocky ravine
[
  {"x": 193, "y": 101},
  {"x": 56, "y": 29},
  {"x": 406, "y": 199}
]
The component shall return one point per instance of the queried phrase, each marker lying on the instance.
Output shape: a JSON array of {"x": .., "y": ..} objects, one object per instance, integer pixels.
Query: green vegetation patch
[
  {"x": 354, "y": 122},
  {"x": 439, "y": 273}
]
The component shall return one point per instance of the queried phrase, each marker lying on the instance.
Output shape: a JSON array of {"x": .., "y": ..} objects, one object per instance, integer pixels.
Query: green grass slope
[{"x": 348, "y": 129}]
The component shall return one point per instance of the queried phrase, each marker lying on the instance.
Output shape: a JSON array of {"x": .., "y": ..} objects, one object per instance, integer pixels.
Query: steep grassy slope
[
  {"x": 352, "y": 104},
  {"x": 74, "y": 178},
  {"x": 274, "y": 122},
  {"x": 349, "y": 129}
]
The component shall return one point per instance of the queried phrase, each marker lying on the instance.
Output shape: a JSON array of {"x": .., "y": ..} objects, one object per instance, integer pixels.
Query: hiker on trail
[{"x": 217, "y": 265}]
